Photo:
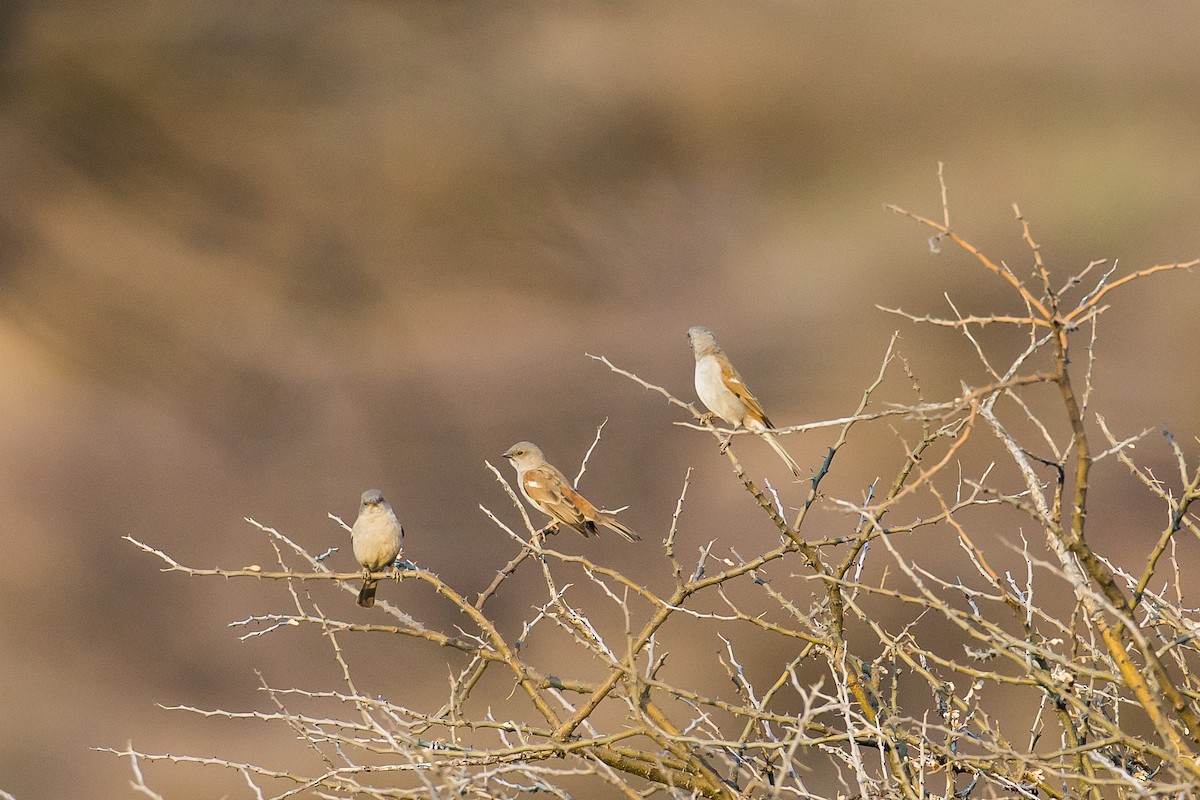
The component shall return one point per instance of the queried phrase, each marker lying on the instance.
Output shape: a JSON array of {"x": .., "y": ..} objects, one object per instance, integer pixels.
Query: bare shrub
[{"x": 1071, "y": 676}]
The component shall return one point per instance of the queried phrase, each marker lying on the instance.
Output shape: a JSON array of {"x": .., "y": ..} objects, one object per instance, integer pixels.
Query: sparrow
[
  {"x": 376, "y": 537},
  {"x": 549, "y": 491},
  {"x": 723, "y": 391}
]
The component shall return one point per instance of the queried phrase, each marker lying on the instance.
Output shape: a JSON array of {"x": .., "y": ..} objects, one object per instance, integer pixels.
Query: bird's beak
[{"x": 506, "y": 455}]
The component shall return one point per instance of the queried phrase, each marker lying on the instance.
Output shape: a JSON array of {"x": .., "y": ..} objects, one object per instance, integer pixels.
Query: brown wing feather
[
  {"x": 733, "y": 381},
  {"x": 550, "y": 491}
]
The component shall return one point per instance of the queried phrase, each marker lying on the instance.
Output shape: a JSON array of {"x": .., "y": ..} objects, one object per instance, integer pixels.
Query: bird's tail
[
  {"x": 778, "y": 448},
  {"x": 366, "y": 597},
  {"x": 624, "y": 530}
]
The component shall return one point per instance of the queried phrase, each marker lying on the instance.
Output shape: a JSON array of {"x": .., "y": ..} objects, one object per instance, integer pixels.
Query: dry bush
[{"x": 905, "y": 678}]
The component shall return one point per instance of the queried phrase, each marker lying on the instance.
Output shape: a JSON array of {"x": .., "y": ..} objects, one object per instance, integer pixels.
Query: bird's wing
[
  {"x": 550, "y": 490},
  {"x": 734, "y": 383}
]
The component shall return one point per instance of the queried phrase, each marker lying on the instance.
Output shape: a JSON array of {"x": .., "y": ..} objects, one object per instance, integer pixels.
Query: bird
[
  {"x": 376, "y": 537},
  {"x": 723, "y": 391},
  {"x": 549, "y": 491}
]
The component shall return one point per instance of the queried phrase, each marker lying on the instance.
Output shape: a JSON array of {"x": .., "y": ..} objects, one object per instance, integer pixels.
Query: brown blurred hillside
[{"x": 256, "y": 258}]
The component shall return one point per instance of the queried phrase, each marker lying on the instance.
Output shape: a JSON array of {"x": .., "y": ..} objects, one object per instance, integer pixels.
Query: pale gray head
[
  {"x": 525, "y": 455},
  {"x": 372, "y": 499},
  {"x": 702, "y": 340}
]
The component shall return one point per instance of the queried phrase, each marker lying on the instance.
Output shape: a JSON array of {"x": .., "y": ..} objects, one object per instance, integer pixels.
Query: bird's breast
[{"x": 710, "y": 386}]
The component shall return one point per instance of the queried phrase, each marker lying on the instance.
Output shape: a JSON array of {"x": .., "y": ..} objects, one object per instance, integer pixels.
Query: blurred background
[{"x": 258, "y": 257}]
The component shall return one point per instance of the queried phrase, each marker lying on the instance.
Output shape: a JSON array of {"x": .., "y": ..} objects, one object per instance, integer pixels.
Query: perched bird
[
  {"x": 724, "y": 392},
  {"x": 376, "y": 537},
  {"x": 549, "y": 491}
]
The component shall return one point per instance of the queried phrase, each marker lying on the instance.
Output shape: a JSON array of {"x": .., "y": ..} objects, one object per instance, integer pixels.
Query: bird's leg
[{"x": 707, "y": 417}]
